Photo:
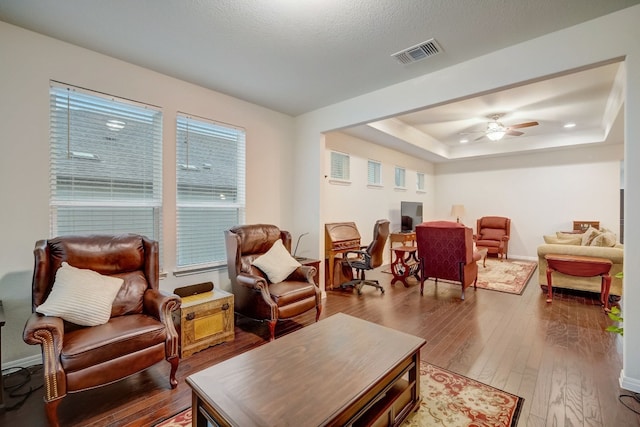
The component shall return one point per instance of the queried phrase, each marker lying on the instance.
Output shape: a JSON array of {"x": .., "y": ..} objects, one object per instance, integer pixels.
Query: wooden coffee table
[
  {"x": 339, "y": 371},
  {"x": 581, "y": 266}
]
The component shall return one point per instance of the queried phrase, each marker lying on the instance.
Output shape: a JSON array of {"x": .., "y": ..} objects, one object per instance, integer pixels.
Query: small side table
[
  {"x": 204, "y": 320},
  {"x": 313, "y": 263},
  {"x": 404, "y": 238},
  {"x": 406, "y": 264},
  {"x": 580, "y": 266},
  {"x": 1, "y": 384}
]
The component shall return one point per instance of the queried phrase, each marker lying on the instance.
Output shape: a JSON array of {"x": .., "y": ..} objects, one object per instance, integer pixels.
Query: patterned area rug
[
  {"x": 448, "y": 400},
  {"x": 509, "y": 276},
  {"x": 453, "y": 400}
]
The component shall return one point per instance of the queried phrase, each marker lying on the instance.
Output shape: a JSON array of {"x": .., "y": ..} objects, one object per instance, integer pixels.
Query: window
[
  {"x": 340, "y": 166},
  {"x": 106, "y": 169},
  {"x": 374, "y": 170},
  {"x": 420, "y": 181},
  {"x": 211, "y": 189},
  {"x": 400, "y": 177}
]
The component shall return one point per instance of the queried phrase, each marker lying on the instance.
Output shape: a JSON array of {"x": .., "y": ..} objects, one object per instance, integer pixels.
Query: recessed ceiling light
[
  {"x": 464, "y": 141},
  {"x": 569, "y": 125}
]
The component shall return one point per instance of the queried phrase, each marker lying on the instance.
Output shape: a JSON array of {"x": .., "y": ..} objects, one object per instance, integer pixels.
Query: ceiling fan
[{"x": 495, "y": 130}]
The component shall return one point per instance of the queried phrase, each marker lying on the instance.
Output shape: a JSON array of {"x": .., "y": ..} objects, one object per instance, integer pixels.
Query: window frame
[
  {"x": 335, "y": 175},
  {"x": 378, "y": 182},
  {"x": 197, "y": 197},
  {"x": 93, "y": 183},
  {"x": 400, "y": 172}
]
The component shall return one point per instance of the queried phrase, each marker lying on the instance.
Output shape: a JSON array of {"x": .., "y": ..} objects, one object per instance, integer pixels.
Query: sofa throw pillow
[
  {"x": 81, "y": 296},
  {"x": 589, "y": 235},
  {"x": 576, "y": 240},
  {"x": 605, "y": 240},
  {"x": 562, "y": 235},
  {"x": 277, "y": 263}
]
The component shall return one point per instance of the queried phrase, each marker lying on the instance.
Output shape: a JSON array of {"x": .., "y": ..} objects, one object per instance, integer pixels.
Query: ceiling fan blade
[
  {"x": 514, "y": 133},
  {"x": 471, "y": 132},
  {"x": 524, "y": 125},
  {"x": 479, "y": 138}
]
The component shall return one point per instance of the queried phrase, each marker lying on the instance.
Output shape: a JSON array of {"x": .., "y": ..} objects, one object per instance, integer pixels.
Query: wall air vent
[{"x": 418, "y": 52}]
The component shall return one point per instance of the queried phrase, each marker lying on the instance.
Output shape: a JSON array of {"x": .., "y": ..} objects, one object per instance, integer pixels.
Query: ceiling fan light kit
[
  {"x": 495, "y": 135},
  {"x": 495, "y": 130}
]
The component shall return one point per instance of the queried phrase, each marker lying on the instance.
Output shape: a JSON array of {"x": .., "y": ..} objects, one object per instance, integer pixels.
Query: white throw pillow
[
  {"x": 605, "y": 240},
  {"x": 589, "y": 235},
  {"x": 80, "y": 296},
  {"x": 277, "y": 263}
]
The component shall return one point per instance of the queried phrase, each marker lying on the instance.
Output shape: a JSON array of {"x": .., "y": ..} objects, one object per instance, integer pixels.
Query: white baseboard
[
  {"x": 25, "y": 362},
  {"x": 631, "y": 384}
]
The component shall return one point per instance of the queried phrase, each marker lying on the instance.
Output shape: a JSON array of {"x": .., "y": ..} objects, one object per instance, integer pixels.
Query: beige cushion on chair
[
  {"x": 277, "y": 263},
  {"x": 81, "y": 296}
]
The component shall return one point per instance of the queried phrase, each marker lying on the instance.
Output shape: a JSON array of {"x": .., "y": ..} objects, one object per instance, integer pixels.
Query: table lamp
[{"x": 457, "y": 211}]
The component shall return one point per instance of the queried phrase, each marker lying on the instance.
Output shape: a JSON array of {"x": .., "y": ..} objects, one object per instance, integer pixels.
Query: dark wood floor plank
[{"x": 557, "y": 356}]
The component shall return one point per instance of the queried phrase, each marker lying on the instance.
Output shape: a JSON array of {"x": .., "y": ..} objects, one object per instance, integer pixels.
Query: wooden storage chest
[{"x": 204, "y": 320}]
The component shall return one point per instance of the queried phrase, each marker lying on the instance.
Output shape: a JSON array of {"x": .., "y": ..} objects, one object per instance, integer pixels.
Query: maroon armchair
[
  {"x": 493, "y": 232},
  {"x": 138, "y": 334},
  {"x": 445, "y": 251},
  {"x": 255, "y": 296}
]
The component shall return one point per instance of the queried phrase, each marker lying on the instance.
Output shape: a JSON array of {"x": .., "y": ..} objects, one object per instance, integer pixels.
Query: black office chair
[{"x": 368, "y": 259}]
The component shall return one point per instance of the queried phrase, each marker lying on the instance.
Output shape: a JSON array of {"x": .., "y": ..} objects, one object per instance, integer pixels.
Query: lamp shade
[{"x": 457, "y": 211}]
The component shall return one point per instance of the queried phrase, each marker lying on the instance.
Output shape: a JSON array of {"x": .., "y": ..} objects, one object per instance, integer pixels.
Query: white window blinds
[
  {"x": 340, "y": 166},
  {"x": 106, "y": 170},
  {"x": 400, "y": 177},
  {"x": 420, "y": 181},
  {"x": 211, "y": 189},
  {"x": 374, "y": 173}
]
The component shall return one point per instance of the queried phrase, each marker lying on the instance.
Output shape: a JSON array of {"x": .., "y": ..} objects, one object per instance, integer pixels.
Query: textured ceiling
[{"x": 295, "y": 56}]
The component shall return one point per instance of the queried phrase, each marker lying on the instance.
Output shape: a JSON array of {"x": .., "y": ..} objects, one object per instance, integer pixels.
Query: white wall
[
  {"x": 541, "y": 193},
  {"x": 612, "y": 36},
  {"x": 29, "y": 61},
  {"x": 362, "y": 204}
]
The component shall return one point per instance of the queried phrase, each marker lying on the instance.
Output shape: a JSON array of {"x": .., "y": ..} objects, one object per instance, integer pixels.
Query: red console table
[{"x": 580, "y": 266}]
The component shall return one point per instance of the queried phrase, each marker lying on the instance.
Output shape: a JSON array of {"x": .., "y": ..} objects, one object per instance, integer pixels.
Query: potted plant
[{"x": 615, "y": 315}]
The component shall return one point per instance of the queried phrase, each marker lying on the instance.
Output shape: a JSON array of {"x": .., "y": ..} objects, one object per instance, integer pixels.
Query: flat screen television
[{"x": 410, "y": 216}]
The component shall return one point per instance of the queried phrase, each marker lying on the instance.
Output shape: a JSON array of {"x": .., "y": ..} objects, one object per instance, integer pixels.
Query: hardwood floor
[{"x": 557, "y": 356}]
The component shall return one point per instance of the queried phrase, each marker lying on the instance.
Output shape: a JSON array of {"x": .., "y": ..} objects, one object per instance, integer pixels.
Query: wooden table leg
[
  {"x": 549, "y": 286},
  {"x": 604, "y": 291}
]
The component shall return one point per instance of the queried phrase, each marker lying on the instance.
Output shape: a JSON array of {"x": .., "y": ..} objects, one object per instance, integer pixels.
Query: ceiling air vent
[{"x": 418, "y": 52}]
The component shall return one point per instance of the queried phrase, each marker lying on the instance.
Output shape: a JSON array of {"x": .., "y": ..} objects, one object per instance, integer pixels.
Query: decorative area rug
[
  {"x": 448, "y": 400},
  {"x": 453, "y": 400},
  {"x": 509, "y": 276}
]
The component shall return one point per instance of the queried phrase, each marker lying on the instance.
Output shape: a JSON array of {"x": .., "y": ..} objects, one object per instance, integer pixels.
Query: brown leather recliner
[
  {"x": 493, "y": 233},
  {"x": 254, "y": 295},
  {"x": 139, "y": 333}
]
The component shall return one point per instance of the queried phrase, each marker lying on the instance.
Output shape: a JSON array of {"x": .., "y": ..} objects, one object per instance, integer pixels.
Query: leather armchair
[
  {"x": 445, "y": 251},
  {"x": 139, "y": 333},
  {"x": 493, "y": 233},
  {"x": 254, "y": 295}
]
